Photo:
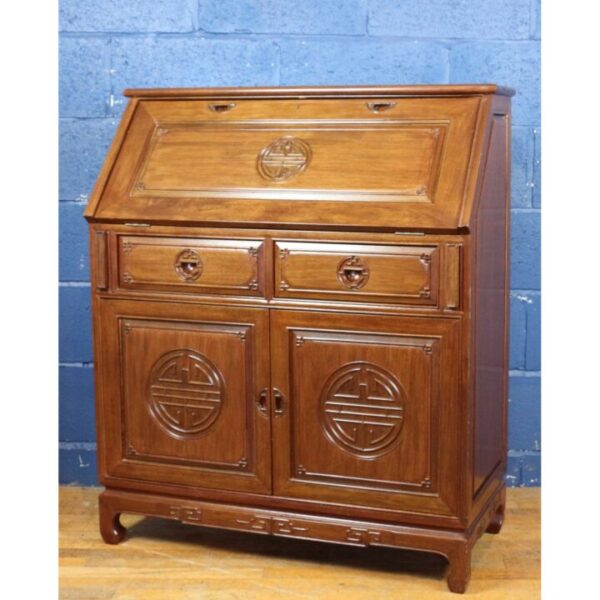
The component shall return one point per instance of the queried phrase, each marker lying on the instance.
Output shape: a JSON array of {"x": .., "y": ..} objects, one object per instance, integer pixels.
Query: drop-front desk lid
[{"x": 400, "y": 157}]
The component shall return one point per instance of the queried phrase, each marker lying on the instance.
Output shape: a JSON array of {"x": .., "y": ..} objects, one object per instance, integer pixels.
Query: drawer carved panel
[
  {"x": 186, "y": 265},
  {"x": 357, "y": 272}
]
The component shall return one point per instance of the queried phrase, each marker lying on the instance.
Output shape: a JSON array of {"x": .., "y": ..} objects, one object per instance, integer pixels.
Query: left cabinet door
[{"x": 180, "y": 394}]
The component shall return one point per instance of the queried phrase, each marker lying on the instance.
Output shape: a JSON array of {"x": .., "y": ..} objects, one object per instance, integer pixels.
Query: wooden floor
[{"x": 170, "y": 561}]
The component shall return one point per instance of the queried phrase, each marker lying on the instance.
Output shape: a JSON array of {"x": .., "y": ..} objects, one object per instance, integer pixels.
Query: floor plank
[{"x": 169, "y": 560}]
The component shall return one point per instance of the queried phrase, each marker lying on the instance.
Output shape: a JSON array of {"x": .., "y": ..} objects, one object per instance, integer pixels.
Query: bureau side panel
[{"x": 491, "y": 281}]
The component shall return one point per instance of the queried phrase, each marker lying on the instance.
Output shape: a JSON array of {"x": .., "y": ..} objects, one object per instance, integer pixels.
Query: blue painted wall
[{"x": 107, "y": 45}]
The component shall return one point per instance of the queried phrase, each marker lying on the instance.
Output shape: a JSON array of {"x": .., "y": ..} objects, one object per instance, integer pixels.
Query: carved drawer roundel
[
  {"x": 362, "y": 409},
  {"x": 283, "y": 158},
  {"x": 188, "y": 265},
  {"x": 186, "y": 391}
]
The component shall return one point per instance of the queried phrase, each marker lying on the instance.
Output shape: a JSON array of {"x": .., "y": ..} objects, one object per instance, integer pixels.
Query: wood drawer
[
  {"x": 397, "y": 274},
  {"x": 201, "y": 266}
]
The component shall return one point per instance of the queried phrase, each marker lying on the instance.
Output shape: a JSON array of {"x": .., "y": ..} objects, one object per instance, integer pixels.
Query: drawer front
[
  {"x": 207, "y": 266},
  {"x": 367, "y": 273}
]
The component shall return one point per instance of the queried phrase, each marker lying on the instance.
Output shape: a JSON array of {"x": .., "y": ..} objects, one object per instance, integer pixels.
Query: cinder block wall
[{"x": 107, "y": 45}]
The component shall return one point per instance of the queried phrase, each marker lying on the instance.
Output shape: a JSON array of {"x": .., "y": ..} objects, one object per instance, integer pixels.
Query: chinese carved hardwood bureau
[{"x": 300, "y": 313}]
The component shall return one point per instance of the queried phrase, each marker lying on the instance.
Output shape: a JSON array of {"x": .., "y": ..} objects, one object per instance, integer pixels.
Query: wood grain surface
[
  {"x": 410, "y": 162},
  {"x": 331, "y": 363},
  {"x": 165, "y": 559}
]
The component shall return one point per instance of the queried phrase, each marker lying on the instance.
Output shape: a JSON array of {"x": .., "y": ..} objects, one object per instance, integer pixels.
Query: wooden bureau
[{"x": 300, "y": 304}]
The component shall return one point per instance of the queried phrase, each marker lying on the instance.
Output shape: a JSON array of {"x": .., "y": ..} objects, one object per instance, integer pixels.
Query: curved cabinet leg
[
  {"x": 495, "y": 524},
  {"x": 460, "y": 569},
  {"x": 111, "y": 530}
]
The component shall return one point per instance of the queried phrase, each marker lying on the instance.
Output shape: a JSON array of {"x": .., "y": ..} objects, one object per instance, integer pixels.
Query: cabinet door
[
  {"x": 180, "y": 394},
  {"x": 367, "y": 410}
]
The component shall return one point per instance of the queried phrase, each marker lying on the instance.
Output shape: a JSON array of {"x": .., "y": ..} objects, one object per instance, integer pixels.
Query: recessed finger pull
[
  {"x": 279, "y": 401},
  {"x": 378, "y": 107},
  {"x": 261, "y": 402},
  {"x": 353, "y": 273},
  {"x": 221, "y": 108},
  {"x": 188, "y": 265}
]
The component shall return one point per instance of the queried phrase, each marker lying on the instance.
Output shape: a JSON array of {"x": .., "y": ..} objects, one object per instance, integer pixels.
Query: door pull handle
[
  {"x": 280, "y": 404},
  {"x": 262, "y": 402}
]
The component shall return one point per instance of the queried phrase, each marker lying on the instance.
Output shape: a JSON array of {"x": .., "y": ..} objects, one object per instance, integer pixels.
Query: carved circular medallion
[
  {"x": 362, "y": 409},
  {"x": 188, "y": 265},
  {"x": 283, "y": 158},
  {"x": 186, "y": 391}
]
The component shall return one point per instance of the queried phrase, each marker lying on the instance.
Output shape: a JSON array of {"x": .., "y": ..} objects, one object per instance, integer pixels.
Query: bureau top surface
[
  {"x": 323, "y": 91},
  {"x": 380, "y": 158}
]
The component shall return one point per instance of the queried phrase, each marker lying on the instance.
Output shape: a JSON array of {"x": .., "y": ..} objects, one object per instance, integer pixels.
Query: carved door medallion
[
  {"x": 362, "y": 409},
  {"x": 283, "y": 158},
  {"x": 187, "y": 392}
]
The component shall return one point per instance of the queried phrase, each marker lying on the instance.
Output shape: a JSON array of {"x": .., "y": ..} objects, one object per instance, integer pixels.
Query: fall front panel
[{"x": 401, "y": 163}]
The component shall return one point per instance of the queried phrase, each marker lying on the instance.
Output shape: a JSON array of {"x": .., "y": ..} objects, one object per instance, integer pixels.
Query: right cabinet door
[{"x": 367, "y": 410}]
